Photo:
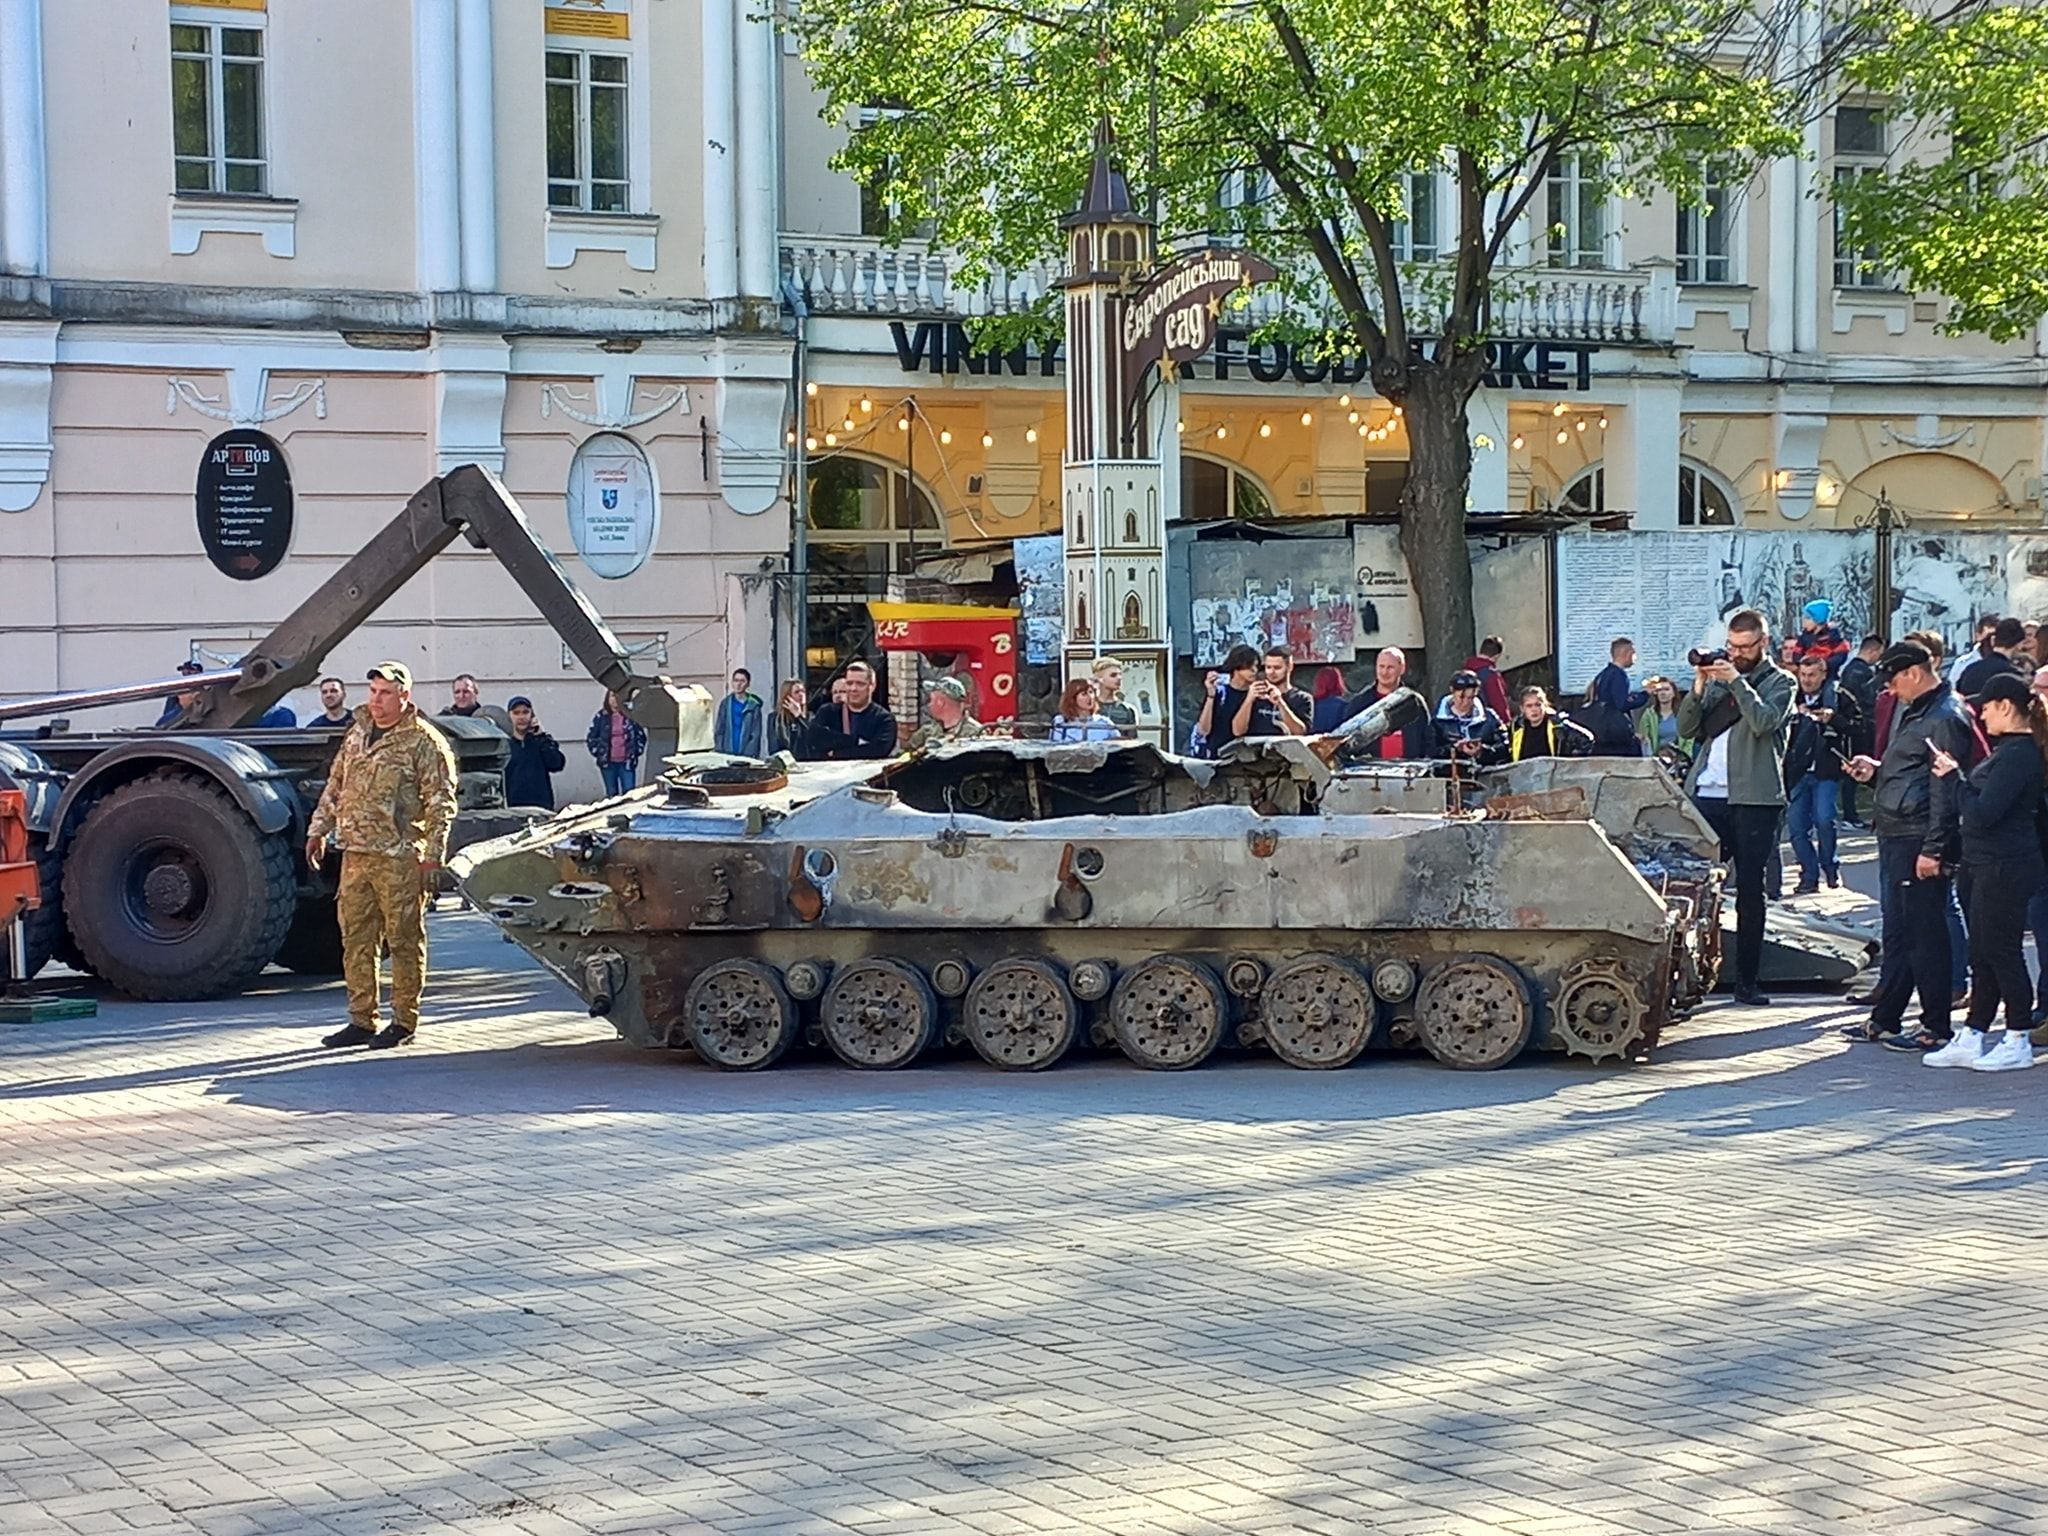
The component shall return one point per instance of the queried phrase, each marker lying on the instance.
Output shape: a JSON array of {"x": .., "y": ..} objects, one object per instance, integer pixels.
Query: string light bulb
[
  {"x": 846, "y": 425},
  {"x": 789, "y": 437},
  {"x": 1344, "y": 401},
  {"x": 1518, "y": 441},
  {"x": 1365, "y": 431},
  {"x": 810, "y": 443},
  {"x": 1265, "y": 429},
  {"x": 1557, "y": 409},
  {"x": 1353, "y": 417},
  {"x": 1031, "y": 434},
  {"x": 1603, "y": 423},
  {"x": 811, "y": 389},
  {"x": 1222, "y": 431},
  {"x": 868, "y": 405},
  {"x": 1579, "y": 425},
  {"x": 1180, "y": 426},
  {"x": 902, "y": 423},
  {"x": 945, "y": 435},
  {"x": 1398, "y": 410},
  {"x": 1562, "y": 435},
  {"x": 831, "y": 440},
  {"x": 1308, "y": 418},
  {"x": 988, "y": 440}
]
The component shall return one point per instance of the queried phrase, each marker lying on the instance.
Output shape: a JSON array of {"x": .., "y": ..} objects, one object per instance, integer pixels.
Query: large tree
[
  {"x": 1323, "y": 109},
  {"x": 1962, "y": 207}
]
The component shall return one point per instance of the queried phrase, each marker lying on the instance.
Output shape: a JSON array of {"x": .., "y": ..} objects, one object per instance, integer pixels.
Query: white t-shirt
[{"x": 1713, "y": 779}]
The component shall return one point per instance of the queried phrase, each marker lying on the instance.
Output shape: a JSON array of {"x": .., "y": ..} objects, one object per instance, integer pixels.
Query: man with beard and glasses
[{"x": 1736, "y": 713}]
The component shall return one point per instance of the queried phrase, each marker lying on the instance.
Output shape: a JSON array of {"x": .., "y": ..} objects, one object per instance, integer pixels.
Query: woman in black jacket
[{"x": 1999, "y": 806}]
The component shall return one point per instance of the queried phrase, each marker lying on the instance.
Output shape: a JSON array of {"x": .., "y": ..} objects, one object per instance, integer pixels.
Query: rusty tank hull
[{"x": 1020, "y": 898}]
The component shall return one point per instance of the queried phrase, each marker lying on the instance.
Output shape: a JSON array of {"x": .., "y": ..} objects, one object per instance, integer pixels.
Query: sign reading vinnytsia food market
[{"x": 1172, "y": 320}]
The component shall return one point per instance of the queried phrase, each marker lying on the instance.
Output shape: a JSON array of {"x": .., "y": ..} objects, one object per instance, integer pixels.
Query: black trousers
[
  {"x": 1749, "y": 836},
  {"x": 1916, "y": 931},
  {"x": 1998, "y": 898}
]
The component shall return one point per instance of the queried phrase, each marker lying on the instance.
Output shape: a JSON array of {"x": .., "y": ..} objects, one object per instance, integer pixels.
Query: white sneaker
[
  {"x": 2013, "y": 1053},
  {"x": 1962, "y": 1050}
]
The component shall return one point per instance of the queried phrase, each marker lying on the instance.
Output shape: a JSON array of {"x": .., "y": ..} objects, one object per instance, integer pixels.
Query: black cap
[
  {"x": 1465, "y": 680},
  {"x": 2009, "y": 686},
  {"x": 1906, "y": 653},
  {"x": 190, "y": 668}
]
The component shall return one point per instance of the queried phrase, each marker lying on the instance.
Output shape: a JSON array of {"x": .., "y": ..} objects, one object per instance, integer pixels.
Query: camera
[{"x": 1699, "y": 658}]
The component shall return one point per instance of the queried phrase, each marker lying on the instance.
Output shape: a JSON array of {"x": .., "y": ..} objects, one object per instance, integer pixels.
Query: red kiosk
[{"x": 984, "y": 639}]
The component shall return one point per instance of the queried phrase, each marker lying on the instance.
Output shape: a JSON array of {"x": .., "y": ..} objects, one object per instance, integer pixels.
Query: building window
[
  {"x": 588, "y": 131},
  {"x": 1211, "y": 491},
  {"x": 1706, "y": 237},
  {"x": 880, "y": 215},
  {"x": 1418, "y": 235},
  {"x": 1861, "y": 135},
  {"x": 867, "y": 523},
  {"x": 1578, "y": 213},
  {"x": 1585, "y": 496},
  {"x": 1703, "y": 501},
  {"x": 217, "y": 108}
]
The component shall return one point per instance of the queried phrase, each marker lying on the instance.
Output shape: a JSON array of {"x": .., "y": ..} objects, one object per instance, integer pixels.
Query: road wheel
[
  {"x": 1474, "y": 1013},
  {"x": 1170, "y": 1014},
  {"x": 312, "y": 945},
  {"x": 172, "y": 892}
]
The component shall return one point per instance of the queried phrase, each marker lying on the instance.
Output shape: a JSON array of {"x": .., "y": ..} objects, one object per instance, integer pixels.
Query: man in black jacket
[
  {"x": 2007, "y": 641},
  {"x": 533, "y": 759},
  {"x": 1824, "y": 719},
  {"x": 1858, "y": 679},
  {"x": 1916, "y": 830},
  {"x": 855, "y": 725}
]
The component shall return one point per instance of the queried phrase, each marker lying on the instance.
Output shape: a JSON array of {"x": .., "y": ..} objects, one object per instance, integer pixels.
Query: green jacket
[{"x": 1756, "y": 741}]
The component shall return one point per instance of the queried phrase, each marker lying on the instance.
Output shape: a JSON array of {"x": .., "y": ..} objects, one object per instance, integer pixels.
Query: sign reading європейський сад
[{"x": 946, "y": 347}]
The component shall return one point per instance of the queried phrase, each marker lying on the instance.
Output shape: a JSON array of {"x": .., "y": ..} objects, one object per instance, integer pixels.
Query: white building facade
[{"x": 392, "y": 236}]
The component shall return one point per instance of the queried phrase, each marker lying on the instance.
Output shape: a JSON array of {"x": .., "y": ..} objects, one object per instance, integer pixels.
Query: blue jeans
[
  {"x": 1810, "y": 816},
  {"x": 618, "y": 777}
]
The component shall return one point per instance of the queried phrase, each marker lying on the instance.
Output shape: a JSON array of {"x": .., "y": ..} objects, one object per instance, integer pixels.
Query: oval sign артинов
[
  {"x": 614, "y": 507},
  {"x": 245, "y": 504}
]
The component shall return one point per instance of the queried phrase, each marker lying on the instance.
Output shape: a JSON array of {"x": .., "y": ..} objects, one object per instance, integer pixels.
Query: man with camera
[
  {"x": 1916, "y": 833},
  {"x": 1736, "y": 713}
]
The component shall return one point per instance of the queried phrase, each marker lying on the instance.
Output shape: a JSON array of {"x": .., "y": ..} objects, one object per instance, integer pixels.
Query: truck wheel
[
  {"x": 312, "y": 945},
  {"x": 173, "y": 894}
]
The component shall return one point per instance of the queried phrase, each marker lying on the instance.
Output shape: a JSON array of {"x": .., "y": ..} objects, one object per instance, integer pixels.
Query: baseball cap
[
  {"x": 190, "y": 668},
  {"x": 1465, "y": 680},
  {"x": 518, "y": 699},
  {"x": 1906, "y": 653},
  {"x": 951, "y": 687},
  {"x": 2009, "y": 686},
  {"x": 392, "y": 672}
]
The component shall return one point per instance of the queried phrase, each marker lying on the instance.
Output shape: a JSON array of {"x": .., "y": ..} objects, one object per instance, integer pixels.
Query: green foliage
[
  {"x": 1962, "y": 208},
  {"x": 1320, "y": 107}
]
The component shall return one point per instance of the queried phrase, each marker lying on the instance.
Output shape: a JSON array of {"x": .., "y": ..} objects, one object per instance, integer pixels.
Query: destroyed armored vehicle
[{"x": 1020, "y": 896}]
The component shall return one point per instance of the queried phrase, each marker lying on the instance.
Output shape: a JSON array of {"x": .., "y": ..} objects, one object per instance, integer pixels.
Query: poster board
[
  {"x": 1389, "y": 613},
  {"x": 1041, "y": 595},
  {"x": 1293, "y": 592},
  {"x": 1671, "y": 592}
]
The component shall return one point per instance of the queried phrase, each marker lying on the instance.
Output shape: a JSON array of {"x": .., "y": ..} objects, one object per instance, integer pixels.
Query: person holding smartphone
[
  {"x": 1227, "y": 699},
  {"x": 1916, "y": 847}
]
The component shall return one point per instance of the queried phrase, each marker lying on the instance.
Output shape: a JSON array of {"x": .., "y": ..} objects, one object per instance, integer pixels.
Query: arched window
[
  {"x": 1211, "y": 490},
  {"x": 1704, "y": 498},
  {"x": 1130, "y": 527},
  {"x": 868, "y": 522},
  {"x": 1134, "y": 620}
]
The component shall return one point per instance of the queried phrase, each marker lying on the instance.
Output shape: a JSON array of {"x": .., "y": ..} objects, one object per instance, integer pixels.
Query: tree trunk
[{"x": 1433, "y": 511}]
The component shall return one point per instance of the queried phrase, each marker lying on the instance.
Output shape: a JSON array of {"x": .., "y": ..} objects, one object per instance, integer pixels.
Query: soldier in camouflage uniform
[{"x": 389, "y": 802}]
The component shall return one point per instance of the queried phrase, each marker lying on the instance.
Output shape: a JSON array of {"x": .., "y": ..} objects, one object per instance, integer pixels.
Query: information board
[{"x": 244, "y": 501}]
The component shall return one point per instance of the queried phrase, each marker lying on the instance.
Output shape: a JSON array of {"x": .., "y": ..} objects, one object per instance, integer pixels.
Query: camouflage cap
[
  {"x": 392, "y": 672},
  {"x": 951, "y": 687}
]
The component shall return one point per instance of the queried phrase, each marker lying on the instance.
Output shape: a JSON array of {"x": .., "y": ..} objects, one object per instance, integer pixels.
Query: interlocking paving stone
[{"x": 526, "y": 1279}]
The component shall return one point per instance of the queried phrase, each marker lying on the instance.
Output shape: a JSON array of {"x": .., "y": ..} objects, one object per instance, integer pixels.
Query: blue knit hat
[{"x": 1820, "y": 610}]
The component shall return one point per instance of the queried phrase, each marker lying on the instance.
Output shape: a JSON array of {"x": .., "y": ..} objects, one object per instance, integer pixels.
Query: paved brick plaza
[{"x": 525, "y": 1278}]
